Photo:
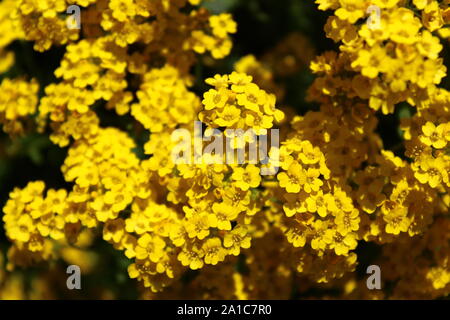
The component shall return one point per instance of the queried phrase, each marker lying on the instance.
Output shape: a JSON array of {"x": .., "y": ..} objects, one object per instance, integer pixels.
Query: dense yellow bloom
[{"x": 18, "y": 99}]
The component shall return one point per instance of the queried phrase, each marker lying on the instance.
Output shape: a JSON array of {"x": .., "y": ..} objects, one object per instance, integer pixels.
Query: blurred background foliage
[{"x": 261, "y": 25}]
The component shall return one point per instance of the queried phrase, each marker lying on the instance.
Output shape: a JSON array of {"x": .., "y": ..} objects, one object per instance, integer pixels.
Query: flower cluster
[
  {"x": 18, "y": 100},
  {"x": 237, "y": 103},
  {"x": 385, "y": 64}
]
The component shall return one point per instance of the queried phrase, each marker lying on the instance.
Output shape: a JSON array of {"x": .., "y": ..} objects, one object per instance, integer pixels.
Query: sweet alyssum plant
[{"x": 247, "y": 235}]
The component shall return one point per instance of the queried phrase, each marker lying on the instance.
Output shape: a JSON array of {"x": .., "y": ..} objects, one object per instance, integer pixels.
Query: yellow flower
[
  {"x": 114, "y": 230},
  {"x": 218, "y": 81},
  {"x": 214, "y": 252},
  {"x": 338, "y": 202},
  {"x": 192, "y": 257},
  {"x": 237, "y": 198},
  {"x": 258, "y": 122},
  {"x": 322, "y": 237},
  {"x": 198, "y": 226},
  {"x": 312, "y": 183},
  {"x": 404, "y": 26},
  {"x": 18, "y": 99},
  {"x": 310, "y": 154},
  {"x": 22, "y": 229},
  {"x": 220, "y": 48},
  {"x": 351, "y": 10},
  {"x": 372, "y": 62},
  {"x": 118, "y": 200},
  {"x": 178, "y": 235},
  {"x": 432, "y": 17},
  {"x": 51, "y": 225},
  {"x": 429, "y": 46},
  {"x": 296, "y": 203},
  {"x": 432, "y": 171},
  {"x": 236, "y": 239},
  {"x": 222, "y": 25},
  {"x": 239, "y": 82},
  {"x": 369, "y": 199},
  {"x": 293, "y": 179},
  {"x": 122, "y": 9},
  {"x": 316, "y": 203},
  {"x": 396, "y": 217},
  {"x": 228, "y": 116},
  {"x": 439, "y": 277},
  {"x": 434, "y": 136},
  {"x": 343, "y": 244},
  {"x": 214, "y": 99},
  {"x": 252, "y": 97},
  {"x": 222, "y": 216},
  {"x": 102, "y": 210},
  {"x": 421, "y": 4},
  {"x": 347, "y": 222},
  {"x": 297, "y": 234},
  {"x": 151, "y": 247}
]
